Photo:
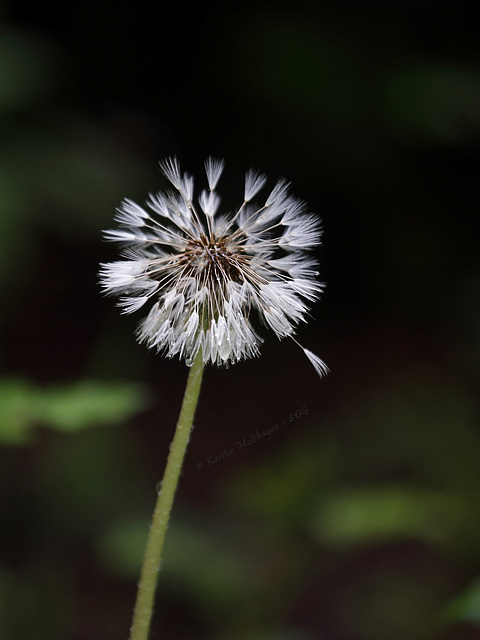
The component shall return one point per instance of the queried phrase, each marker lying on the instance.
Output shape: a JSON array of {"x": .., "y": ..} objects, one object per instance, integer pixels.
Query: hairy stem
[{"x": 151, "y": 563}]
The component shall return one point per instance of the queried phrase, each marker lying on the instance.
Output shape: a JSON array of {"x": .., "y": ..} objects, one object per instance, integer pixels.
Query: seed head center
[{"x": 213, "y": 258}]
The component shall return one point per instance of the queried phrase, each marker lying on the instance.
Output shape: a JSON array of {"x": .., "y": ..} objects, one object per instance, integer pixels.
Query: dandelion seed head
[{"x": 204, "y": 272}]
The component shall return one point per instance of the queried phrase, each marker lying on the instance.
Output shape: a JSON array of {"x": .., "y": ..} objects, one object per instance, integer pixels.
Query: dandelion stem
[{"x": 151, "y": 563}]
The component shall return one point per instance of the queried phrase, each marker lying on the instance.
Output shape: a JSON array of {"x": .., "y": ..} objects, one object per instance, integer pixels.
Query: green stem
[{"x": 151, "y": 563}]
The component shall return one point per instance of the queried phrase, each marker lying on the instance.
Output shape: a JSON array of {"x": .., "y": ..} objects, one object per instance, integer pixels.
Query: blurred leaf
[
  {"x": 121, "y": 548},
  {"x": 197, "y": 562},
  {"x": 65, "y": 408},
  {"x": 466, "y": 607},
  {"x": 85, "y": 404},
  {"x": 362, "y": 515}
]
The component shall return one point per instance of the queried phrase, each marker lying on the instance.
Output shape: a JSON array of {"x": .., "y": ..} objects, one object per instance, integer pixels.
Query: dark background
[{"x": 359, "y": 517}]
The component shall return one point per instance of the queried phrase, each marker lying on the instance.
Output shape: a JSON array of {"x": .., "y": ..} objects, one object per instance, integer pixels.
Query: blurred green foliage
[
  {"x": 67, "y": 408},
  {"x": 467, "y": 605}
]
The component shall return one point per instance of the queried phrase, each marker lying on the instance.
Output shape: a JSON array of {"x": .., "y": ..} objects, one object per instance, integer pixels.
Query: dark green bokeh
[{"x": 346, "y": 509}]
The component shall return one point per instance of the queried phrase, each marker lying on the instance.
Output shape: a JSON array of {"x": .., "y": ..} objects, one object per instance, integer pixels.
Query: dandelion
[
  {"x": 206, "y": 276},
  {"x": 203, "y": 272}
]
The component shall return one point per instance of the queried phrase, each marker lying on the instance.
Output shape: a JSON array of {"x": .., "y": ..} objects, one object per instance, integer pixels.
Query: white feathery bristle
[
  {"x": 319, "y": 365},
  {"x": 209, "y": 202},
  {"x": 213, "y": 169},
  {"x": 171, "y": 170},
  {"x": 254, "y": 181},
  {"x": 279, "y": 193}
]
